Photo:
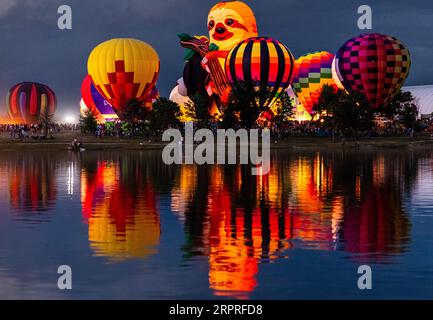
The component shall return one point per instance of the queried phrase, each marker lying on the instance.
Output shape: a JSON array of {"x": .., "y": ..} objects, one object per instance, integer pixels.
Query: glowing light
[{"x": 69, "y": 119}]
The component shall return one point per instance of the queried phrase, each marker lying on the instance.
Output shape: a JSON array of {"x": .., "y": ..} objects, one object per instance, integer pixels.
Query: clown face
[{"x": 229, "y": 23}]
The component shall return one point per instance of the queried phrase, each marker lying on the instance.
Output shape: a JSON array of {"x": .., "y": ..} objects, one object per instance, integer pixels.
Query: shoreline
[{"x": 91, "y": 143}]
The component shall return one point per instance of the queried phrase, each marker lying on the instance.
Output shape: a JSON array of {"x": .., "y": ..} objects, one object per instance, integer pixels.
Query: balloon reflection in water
[
  {"x": 32, "y": 183},
  {"x": 374, "y": 225},
  {"x": 318, "y": 202},
  {"x": 123, "y": 219}
]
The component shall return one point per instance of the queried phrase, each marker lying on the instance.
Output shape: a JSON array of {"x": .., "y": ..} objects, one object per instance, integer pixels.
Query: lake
[{"x": 131, "y": 227}]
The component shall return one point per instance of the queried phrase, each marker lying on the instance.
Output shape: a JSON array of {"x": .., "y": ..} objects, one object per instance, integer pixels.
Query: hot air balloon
[
  {"x": 181, "y": 100},
  {"x": 26, "y": 102},
  {"x": 301, "y": 114},
  {"x": 374, "y": 64},
  {"x": 151, "y": 98},
  {"x": 95, "y": 102},
  {"x": 231, "y": 22},
  {"x": 264, "y": 62},
  {"x": 311, "y": 73},
  {"x": 123, "y": 69}
]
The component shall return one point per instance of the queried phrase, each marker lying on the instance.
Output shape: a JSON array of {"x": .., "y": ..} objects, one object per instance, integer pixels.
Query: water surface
[{"x": 131, "y": 227}]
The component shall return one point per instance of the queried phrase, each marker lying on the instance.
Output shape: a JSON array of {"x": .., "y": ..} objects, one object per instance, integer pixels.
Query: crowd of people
[
  {"x": 293, "y": 129},
  {"x": 35, "y": 131}
]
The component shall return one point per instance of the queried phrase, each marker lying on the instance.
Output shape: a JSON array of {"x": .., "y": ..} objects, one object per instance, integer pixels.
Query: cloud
[{"x": 6, "y": 6}]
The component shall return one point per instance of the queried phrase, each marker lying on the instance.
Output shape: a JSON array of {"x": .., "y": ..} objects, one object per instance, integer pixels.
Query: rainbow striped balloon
[
  {"x": 311, "y": 73},
  {"x": 26, "y": 102},
  {"x": 264, "y": 62}
]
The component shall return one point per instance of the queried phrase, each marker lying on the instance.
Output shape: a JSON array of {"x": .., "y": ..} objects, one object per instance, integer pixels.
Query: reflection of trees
[
  {"x": 345, "y": 200},
  {"x": 119, "y": 204},
  {"x": 32, "y": 183}
]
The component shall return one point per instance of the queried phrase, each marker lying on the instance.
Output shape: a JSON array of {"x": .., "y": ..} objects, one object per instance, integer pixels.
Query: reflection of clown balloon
[
  {"x": 181, "y": 100},
  {"x": 95, "y": 102},
  {"x": 310, "y": 74},
  {"x": 123, "y": 69},
  {"x": 265, "y": 63},
  {"x": 27, "y": 101},
  {"x": 230, "y": 23},
  {"x": 374, "y": 64}
]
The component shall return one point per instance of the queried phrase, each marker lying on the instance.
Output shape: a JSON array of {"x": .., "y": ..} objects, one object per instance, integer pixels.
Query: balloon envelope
[
  {"x": 264, "y": 62},
  {"x": 374, "y": 64},
  {"x": 311, "y": 73},
  {"x": 230, "y": 23},
  {"x": 181, "y": 100},
  {"x": 26, "y": 102},
  {"x": 123, "y": 69},
  {"x": 95, "y": 102}
]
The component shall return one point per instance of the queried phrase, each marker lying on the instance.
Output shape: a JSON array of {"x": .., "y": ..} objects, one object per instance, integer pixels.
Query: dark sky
[{"x": 34, "y": 49}]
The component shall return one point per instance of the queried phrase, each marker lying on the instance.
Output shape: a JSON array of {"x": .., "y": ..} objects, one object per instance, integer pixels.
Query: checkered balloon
[
  {"x": 374, "y": 64},
  {"x": 123, "y": 69},
  {"x": 311, "y": 73}
]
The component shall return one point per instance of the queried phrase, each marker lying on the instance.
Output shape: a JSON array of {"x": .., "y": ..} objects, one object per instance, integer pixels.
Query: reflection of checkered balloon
[
  {"x": 311, "y": 73},
  {"x": 374, "y": 64}
]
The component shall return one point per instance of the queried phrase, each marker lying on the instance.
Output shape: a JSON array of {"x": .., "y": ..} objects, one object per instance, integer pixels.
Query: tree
[
  {"x": 134, "y": 111},
  {"x": 403, "y": 107},
  {"x": 343, "y": 111},
  {"x": 198, "y": 110},
  {"x": 285, "y": 110},
  {"x": 247, "y": 104},
  {"x": 46, "y": 120},
  {"x": 88, "y": 122},
  {"x": 164, "y": 114}
]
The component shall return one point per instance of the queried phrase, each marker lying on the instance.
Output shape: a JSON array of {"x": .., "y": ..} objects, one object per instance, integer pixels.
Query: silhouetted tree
[
  {"x": 198, "y": 110},
  {"x": 403, "y": 107},
  {"x": 88, "y": 122},
  {"x": 164, "y": 114},
  {"x": 285, "y": 110},
  {"x": 343, "y": 111}
]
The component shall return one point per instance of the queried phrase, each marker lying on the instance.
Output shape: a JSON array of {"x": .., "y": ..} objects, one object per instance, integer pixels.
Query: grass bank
[{"x": 62, "y": 140}]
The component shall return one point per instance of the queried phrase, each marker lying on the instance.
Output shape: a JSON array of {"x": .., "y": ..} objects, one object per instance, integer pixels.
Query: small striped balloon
[
  {"x": 264, "y": 62},
  {"x": 26, "y": 102}
]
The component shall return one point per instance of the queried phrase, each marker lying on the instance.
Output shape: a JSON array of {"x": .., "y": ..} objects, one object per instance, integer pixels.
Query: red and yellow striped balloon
[
  {"x": 26, "y": 102},
  {"x": 264, "y": 62}
]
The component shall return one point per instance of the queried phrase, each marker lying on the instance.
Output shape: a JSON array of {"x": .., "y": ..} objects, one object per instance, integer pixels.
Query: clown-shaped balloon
[{"x": 230, "y": 23}]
